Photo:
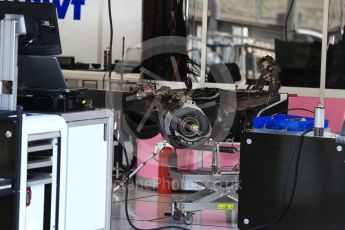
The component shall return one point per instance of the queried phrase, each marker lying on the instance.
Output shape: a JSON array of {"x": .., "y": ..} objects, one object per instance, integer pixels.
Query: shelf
[
  {"x": 40, "y": 163},
  {"x": 40, "y": 147},
  {"x": 43, "y": 136},
  {"x": 6, "y": 192},
  {"x": 39, "y": 179}
]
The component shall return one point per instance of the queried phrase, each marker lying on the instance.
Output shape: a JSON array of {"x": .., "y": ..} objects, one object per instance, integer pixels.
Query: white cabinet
[
  {"x": 89, "y": 170},
  {"x": 42, "y": 183},
  {"x": 66, "y": 171}
]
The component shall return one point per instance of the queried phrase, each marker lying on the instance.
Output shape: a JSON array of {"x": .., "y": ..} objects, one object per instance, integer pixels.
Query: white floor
[{"x": 147, "y": 210}]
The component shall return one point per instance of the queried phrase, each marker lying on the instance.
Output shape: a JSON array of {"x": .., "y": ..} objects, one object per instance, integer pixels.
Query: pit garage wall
[
  {"x": 84, "y": 27},
  {"x": 308, "y": 98},
  {"x": 81, "y": 37},
  {"x": 335, "y": 109},
  {"x": 87, "y": 38}
]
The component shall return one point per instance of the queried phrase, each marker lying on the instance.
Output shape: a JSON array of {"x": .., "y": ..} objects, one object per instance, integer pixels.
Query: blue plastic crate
[{"x": 285, "y": 122}]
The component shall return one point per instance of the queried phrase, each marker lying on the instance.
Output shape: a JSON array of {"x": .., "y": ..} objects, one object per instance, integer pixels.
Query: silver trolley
[{"x": 220, "y": 187}]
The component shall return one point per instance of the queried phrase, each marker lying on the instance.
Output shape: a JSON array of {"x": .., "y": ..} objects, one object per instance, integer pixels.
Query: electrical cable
[
  {"x": 126, "y": 204},
  {"x": 127, "y": 162},
  {"x": 287, "y": 19},
  {"x": 298, "y": 146},
  {"x": 110, "y": 43},
  {"x": 110, "y": 46},
  {"x": 294, "y": 109}
]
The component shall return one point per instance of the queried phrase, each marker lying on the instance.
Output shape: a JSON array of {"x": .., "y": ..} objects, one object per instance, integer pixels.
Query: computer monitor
[{"x": 42, "y": 37}]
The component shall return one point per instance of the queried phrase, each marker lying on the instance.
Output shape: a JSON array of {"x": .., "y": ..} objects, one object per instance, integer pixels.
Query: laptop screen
[{"x": 40, "y": 72}]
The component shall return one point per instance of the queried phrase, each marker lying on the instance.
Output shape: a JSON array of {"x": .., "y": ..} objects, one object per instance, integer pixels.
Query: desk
[{"x": 95, "y": 79}]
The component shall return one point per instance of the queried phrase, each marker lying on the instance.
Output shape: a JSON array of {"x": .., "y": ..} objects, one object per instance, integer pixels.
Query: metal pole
[
  {"x": 123, "y": 56},
  {"x": 10, "y": 28},
  {"x": 324, "y": 52},
  {"x": 204, "y": 42}
]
